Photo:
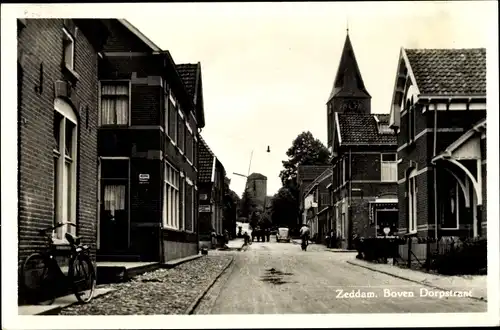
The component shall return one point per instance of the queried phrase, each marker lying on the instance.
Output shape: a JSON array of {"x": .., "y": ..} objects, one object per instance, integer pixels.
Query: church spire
[{"x": 348, "y": 81}]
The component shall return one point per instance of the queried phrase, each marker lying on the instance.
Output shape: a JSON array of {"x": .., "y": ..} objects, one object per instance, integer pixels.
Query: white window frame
[
  {"x": 171, "y": 206},
  {"x": 192, "y": 190},
  {"x": 166, "y": 100},
  {"x": 412, "y": 202},
  {"x": 183, "y": 198},
  {"x": 180, "y": 118},
  {"x": 391, "y": 165},
  {"x": 117, "y": 81},
  {"x": 65, "y": 201},
  {"x": 67, "y": 35},
  {"x": 190, "y": 131}
]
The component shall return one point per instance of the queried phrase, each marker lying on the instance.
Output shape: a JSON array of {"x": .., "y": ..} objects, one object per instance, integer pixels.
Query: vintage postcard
[{"x": 249, "y": 165}]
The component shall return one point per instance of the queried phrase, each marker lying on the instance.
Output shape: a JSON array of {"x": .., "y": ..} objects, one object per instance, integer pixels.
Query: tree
[
  {"x": 247, "y": 205},
  {"x": 230, "y": 207},
  {"x": 284, "y": 208},
  {"x": 305, "y": 150}
]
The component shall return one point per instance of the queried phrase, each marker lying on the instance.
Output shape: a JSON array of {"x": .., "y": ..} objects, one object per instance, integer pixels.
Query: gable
[{"x": 123, "y": 39}]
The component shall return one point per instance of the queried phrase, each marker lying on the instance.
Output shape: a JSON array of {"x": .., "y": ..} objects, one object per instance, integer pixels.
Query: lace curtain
[
  {"x": 114, "y": 104},
  {"x": 114, "y": 198}
]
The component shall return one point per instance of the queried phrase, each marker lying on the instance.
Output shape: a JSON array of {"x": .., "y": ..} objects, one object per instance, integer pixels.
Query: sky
[{"x": 268, "y": 69}]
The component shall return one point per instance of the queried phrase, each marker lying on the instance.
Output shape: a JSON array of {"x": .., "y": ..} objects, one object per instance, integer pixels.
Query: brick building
[
  {"x": 211, "y": 189},
  {"x": 150, "y": 113},
  {"x": 364, "y": 180},
  {"x": 57, "y": 129},
  {"x": 306, "y": 175},
  {"x": 317, "y": 205},
  {"x": 439, "y": 112},
  {"x": 256, "y": 185}
]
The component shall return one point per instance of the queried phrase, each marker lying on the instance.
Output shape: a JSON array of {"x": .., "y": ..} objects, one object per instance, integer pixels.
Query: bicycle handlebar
[{"x": 60, "y": 224}]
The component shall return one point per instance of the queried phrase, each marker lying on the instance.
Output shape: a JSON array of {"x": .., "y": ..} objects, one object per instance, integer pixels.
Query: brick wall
[{"x": 40, "y": 43}]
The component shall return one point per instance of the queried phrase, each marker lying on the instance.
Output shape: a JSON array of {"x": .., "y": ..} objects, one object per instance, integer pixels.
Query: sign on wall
[
  {"x": 204, "y": 208},
  {"x": 143, "y": 178}
]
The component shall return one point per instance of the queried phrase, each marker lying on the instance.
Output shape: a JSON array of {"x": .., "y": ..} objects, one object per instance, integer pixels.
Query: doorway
[{"x": 114, "y": 201}]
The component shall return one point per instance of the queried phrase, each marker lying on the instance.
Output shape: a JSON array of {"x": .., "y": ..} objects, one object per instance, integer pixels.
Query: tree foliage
[
  {"x": 305, "y": 150},
  {"x": 247, "y": 205},
  {"x": 284, "y": 208}
]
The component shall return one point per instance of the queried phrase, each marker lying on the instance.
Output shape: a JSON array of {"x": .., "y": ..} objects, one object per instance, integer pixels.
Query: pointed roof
[{"x": 348, "y": 81}]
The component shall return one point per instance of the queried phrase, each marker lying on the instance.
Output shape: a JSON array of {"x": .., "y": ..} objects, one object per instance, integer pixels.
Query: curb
[
  {"x": 198, "y": 299},
  {"x": 177, "y": 262},
  {"x": 57, "y": 309},
  {"x": 410, "y": 280}
]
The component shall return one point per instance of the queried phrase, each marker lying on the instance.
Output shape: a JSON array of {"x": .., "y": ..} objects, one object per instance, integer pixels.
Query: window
[
  {"x": 166, "y": 105},
  {"x": 69, "y": 49},
  {"x": 195, "y": 151},
  {"x": 411, "y": 120},
  {"x": 171, "y": 197},
  {"x": 172, "y": 117},
  {"x": 346, "y": 169},
  {"x": 65, "y": 165},
  {"x": 182, "y": 204},
  {"x": 189, "y": 143},
  {"x": 181, "y": 137},
  {"x": 190, "y": 200},
  {"x": 412, "y": 202},
  {"x": 115, "y": 101},
  {"x": 389, "y": 167}
]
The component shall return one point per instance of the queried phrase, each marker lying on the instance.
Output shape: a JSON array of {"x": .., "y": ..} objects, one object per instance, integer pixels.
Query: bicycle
[
  {"x": 41, "y": 271},
  {"x": 305, "y": 242}
]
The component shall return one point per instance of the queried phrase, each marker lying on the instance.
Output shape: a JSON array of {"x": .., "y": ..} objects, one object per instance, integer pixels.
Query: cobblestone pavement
[
  {"x": 280, "y": 278},
  {"x": 164, "y": 291}
]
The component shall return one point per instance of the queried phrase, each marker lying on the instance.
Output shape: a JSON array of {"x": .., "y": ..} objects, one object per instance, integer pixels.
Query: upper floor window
[
  {"x": 181, "y": 128},
  {"x": 172, "y": 117},
  {"x": 389, "y": 167},
  {"x": 411, "y": 120},
  {"x": 195, "y": 151},
  {"x": 69, "y": 49},
  {"x": 189, "y": 143},
  {"x": 115, "y": 103}
]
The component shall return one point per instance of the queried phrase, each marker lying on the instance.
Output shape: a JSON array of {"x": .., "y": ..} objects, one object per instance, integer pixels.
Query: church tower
[{"x": 348, "y": 93}]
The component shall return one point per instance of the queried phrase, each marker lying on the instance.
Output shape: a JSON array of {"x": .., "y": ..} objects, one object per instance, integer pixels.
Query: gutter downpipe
[
  {"x": 350, "y": 200},
  {"x": 435, "y": 175}
]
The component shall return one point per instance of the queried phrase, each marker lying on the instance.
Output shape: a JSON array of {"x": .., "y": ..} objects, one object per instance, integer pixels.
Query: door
[{"x": 114, "y": 224}]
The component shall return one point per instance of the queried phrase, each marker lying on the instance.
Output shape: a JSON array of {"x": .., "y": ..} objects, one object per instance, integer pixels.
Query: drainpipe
[
  {"x": 435, "y": 175},
  {"x": 350, "y": 200}
]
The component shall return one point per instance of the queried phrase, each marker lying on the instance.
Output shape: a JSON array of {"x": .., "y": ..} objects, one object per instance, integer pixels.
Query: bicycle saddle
[{"x": 72, "y": 239}]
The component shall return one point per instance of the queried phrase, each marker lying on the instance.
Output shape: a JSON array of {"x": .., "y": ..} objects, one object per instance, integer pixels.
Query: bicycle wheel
[
  {"x": 36, "y": 280},
  {"x": 82, "y": 277}
]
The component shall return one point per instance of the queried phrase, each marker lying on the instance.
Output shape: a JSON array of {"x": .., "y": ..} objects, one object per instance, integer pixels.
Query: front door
[{"x": 114, "y": 236}]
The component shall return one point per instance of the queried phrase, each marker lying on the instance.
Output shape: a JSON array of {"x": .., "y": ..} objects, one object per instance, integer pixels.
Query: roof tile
[
  {"x": 205, "y": 162},
  {"x": 449, "y": 71},
  {"x": 357, "y": 128},
  {"x": 188, "y": 74}
]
